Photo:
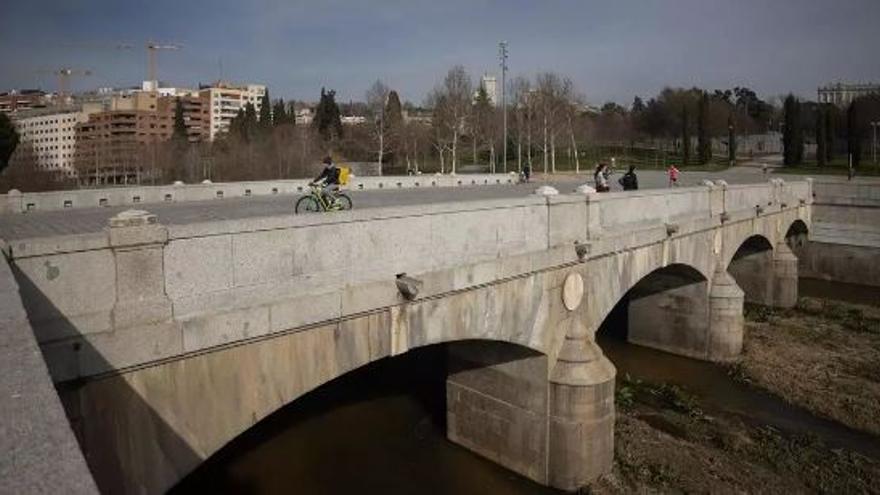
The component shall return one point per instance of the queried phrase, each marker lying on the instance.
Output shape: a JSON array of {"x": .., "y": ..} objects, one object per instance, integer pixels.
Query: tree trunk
[
  {"x": 553, "y": 152},
  {"x": 545, "y": 142}
]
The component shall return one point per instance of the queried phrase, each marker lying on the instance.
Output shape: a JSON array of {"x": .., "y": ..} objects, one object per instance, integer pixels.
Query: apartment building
[
  {"x": 48, "y": 137},
  {"x": 120, "y": 145},
  {"x": 225, "y": 100},
  {"x": 22, "y": 99}
]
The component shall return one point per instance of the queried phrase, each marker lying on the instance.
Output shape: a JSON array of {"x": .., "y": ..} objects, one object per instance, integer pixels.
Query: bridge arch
[
  {"x": 667, "y": 309},
  {"x": 446, "y": 375}
]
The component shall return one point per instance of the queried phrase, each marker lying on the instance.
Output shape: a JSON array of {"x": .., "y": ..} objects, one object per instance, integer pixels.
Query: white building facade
[
  {"x": 225, "y": 100},
  {"x": 842, "y": 94},
  {"x": 490, "y": 84},
  {"x": 52, "y": 137}
]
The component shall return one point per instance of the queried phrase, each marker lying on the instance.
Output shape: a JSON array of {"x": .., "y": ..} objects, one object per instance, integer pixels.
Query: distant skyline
[{"x": 611, "y": 52}]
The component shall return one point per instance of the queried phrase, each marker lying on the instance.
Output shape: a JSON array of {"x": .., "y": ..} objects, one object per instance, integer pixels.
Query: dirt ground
[
  {"x": 666, "y": 444},
  {"x": 822, "y": 355}
]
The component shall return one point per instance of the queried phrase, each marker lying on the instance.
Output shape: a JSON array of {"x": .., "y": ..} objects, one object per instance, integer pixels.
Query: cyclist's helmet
[{"x": 327, "y": 160}]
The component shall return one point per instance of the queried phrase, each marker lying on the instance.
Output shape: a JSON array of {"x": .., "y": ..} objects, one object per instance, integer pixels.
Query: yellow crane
[
  {"x": 152, "y": 49},
  {"x": 64, "y": 74}
]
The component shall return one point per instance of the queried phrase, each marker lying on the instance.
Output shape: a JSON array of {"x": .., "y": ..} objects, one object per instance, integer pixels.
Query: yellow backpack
[{"x": 344, "y": 172}]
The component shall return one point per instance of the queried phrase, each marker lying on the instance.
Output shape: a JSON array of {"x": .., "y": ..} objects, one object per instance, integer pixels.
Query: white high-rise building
[
  {"x": 51, "y": 135},
  {"x": 225, "y": 100},
  {"x": 490, "y": 84}
]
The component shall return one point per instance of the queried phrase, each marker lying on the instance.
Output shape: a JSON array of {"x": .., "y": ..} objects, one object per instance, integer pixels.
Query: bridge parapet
[
  {"x": 845, "y": 235},
  {"x": 18, "y": 202},
  {"x": 40, "y": 452},
  {"x": 202, "y": 285}
]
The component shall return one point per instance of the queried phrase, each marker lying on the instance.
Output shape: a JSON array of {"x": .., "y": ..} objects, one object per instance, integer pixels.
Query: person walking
[
  {"x": 673, "y": 173},
  {"x": 629, "y": 181},
  {"x": 600, "y": 177}
]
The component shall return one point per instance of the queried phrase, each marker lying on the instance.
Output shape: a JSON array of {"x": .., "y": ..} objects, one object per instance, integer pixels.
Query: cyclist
[{"x": 329, "y": 179}]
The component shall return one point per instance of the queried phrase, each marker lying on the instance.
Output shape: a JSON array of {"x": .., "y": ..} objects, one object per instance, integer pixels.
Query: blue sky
[{"x": 612, "y": 50}]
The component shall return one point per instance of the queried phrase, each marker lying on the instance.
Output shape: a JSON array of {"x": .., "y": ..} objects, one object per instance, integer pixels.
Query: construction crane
[
  {"x": 64, "y": 74},
  {"x": 152, "y": 48}
]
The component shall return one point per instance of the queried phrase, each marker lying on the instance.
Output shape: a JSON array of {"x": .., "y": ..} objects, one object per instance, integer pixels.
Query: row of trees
[
  {"x": 549, "y": 125},
  {"x": 834, "y": 131}
]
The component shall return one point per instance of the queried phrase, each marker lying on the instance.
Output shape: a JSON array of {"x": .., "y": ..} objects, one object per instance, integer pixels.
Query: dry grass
[{"x": 822, "y": 355}]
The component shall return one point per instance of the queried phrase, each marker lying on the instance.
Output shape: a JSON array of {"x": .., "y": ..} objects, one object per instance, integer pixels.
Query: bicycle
[{"x": 314, "y": 201}]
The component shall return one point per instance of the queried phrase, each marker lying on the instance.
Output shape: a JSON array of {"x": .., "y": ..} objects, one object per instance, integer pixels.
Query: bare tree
[
  {"x": 452, "y": 108},
  {"x": 550, "y": 98},
  {"x": 377, "y": 97},
  {"x": 522, "y": 101}
]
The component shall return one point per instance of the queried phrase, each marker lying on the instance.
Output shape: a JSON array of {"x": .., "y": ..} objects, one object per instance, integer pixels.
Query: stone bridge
[{"x": 167, "y": 342}]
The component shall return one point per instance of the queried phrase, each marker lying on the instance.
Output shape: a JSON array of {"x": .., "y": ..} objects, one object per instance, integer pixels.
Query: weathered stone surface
[
  {"x": 267, "y": 309},
  {"x": 40, "y": 452}
]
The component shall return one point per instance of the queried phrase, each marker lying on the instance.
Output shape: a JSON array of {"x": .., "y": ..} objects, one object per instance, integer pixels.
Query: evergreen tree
[
  {"x": 704, "y": 145},
  {"x": 638, "y": 105},
  {"x": 327, "y": 119},
  {"x": 8, "y": 140},
  {"x": 279, "y": 113},
  {"x": 393, "y": 111},
  {"x": 237, "y": 125},
  {"x": 731, "y": 139},
  {"x": 853, "y": 133},
  {"x": 830, "y": 133},
  {"x": 821, "y": 137},
  {"x": 685, "y": 138},
  {"x": 179, "y": 133},
  {"x": 251, "y": 124},
  {"x": 394, "y": 125},
  {"x": 265, "y": 113},
  {"x": 792, "y": 136}
]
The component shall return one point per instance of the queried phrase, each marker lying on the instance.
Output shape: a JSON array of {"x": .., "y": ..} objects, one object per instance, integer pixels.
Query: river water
[{"x": 381, "y": 429}]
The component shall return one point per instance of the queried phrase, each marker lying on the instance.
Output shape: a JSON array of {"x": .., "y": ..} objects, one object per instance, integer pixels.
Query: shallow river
[{"x": 381, "y": 429}]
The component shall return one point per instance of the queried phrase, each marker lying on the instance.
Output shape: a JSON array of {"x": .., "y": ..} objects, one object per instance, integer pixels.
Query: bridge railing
[
  {"x": 17, "y": 202},
  {"x": 38, "y": 444},
  {"x": 652, "y": 206}
]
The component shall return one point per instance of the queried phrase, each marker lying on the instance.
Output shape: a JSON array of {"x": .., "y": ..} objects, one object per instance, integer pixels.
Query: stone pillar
[
  {"x": 137, "y": 241},
  {"x": 581, "y": 430},
  {"x": 785, "y": 277},
  {"x": 496, "y": 404},
  {"x": 753, "y": 274},
  {"x": 725, "y": 317},
  {"x": 671, "y": 315}
]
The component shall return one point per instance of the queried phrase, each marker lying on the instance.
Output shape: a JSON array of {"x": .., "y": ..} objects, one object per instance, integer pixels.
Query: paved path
[{"x": 49, "y": 223}]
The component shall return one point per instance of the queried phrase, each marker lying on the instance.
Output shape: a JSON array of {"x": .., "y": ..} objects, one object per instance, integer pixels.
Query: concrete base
[
  {"x": 784, "y": 277},
  {"x": 768, "y": 277},
  {"x": 725, "y": 318},
  {"x": 496, "y": 397},
  {"x": 558, "y": 433},
  {"x": 581, "y": 441},
  {"x": 840, "y": 263},
  {"x": 672, "y": 320}
]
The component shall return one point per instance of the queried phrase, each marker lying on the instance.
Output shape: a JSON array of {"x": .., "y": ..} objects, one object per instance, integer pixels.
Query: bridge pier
[
  {"x": 496, "y": 403},
  {"x": 785, "y": 277},
  {"x": 581, "y": 442},
  {"x": 558, "y": 432},
  {"x": 768, "y": 277},
  {"x": 725, "y": 318},
  {"x": 682, "y": 314}
]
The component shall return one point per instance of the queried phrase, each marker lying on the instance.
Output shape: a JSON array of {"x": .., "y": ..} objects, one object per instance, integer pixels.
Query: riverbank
[
  {"x": 666, "y": 442},
  {"x": 821, "y": 355}
]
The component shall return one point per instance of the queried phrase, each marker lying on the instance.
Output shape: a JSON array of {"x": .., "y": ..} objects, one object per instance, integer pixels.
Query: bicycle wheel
[
  {"x": 344, "y": 201},
  {"x": 307, "y": 204}
]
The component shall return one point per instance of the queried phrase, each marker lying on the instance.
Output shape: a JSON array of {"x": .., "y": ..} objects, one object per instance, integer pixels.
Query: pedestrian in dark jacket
[{"x": 629, "y": 181}]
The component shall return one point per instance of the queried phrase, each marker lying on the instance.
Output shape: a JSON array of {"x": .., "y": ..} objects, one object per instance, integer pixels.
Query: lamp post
[{"x": 502, "y": 53}]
